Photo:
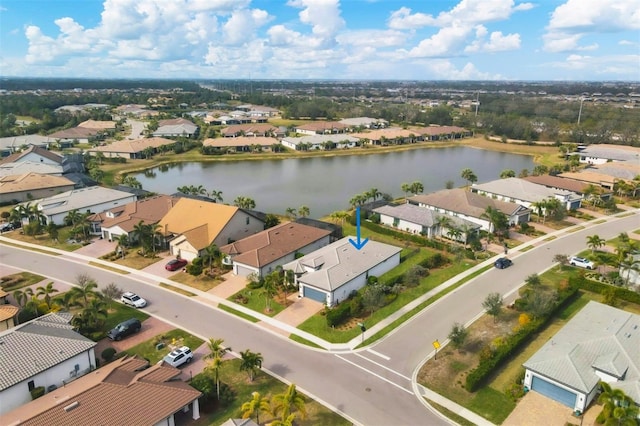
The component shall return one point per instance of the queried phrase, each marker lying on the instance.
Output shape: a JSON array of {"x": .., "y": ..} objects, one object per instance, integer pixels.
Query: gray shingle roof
[
  {"x": 36, "y": 346},
  {"x": 465, "y": 202},
  {"x": 340, "y": 262},
  {"x": 598, "y": 337},
  {"x": 80, "y": 199},
  {"x": 521, "y": 189},
  {"x": 420, "y": 215}
]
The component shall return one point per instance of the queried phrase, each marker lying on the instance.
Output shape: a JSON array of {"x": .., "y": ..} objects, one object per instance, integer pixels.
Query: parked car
[
  {"x": 581, "y": 262},
  {"x": 130, "y": 298},
  {"x": 175, "y": 264},
  {"x": 9, "y": 226},
  {"x": 502, "y": 263},
  {"x": 124, "y": 329},
  {"x": 179, "y": 356}
]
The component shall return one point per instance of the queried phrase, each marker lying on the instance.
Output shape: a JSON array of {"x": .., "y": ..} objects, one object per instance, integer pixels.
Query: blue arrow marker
[{"x": 358, "y": 244}]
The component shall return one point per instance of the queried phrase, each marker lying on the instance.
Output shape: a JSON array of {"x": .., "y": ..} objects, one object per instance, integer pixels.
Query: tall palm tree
[
  {"x": 22, "y": 296},
  {"x": 244, "y": 203},
  {"x": 617, "y": 407},
  {"x": 303, "y": 211},
  {"x": 142, "y": 232},
  {"x": 211, "y": 255},
  {"x": 469, "y": 176},
  {"x": 123, "y": 243},
  {"x": 443, "y": 222},
  {"x": 289, "y": 421},
  {"x": 269, "y": 290},
  {"x": 216, "y": 195},
  {"x": 217, "y": 351},
  {"x": 256, "y": 405},
  {"x": 251, "y": 362},
  {"x": 284, "y": 403},
  {"x": 291, "y": 213},
  {"x": 46, "y": 292},
  {"x": 594, "y": 242},
  {"x": 86, "y": 290}
]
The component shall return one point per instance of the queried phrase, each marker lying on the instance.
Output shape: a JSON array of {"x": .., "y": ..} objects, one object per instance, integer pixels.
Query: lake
[{"x": 326, "y": 184}]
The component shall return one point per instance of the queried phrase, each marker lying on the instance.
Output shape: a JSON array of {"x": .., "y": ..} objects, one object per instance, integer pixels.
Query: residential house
[
  {"x": 11, "y": 144},
  {"x": 630, "y": 270},
  {"x": 176, "y": 127},
  {"x": 321, "y": 128},
  {"x": 605, "y": 153},
  {"x": 365, "y": 122},
  {"x": 34, "y": 154},
  {"x": 132, "y": 149},
  {"x": 43, "y": 352},
  {"x": 106, "y": 126},
  {"x": 124, "y": 392},
  {"x": 418, "y": 220},
  {"x": 260, "y": 129},
  {"x": 525, "y": 193},
  {"x": 261, "y": 253},
  {"x": 23, "y": 167},
  {"x": 122, "y": 220},
  {"x": 94, "y": 199},
  {"x": 436, "y": 133},
  {"x": 191, "y": 226},
  {"x": 316, "y": 142},
  {"x": 471, "y": 207},
  {"x": 241, "y": 143},
  {"x": 581, "y": 188},
  {"x": 600, "y": 343},
  {"x": 25, "y": 187},
  {"x": 8, "y": 313},
  {"x": 331, "y": 273},
  {"x": 79, "y": 134},
  {"x": 388, "y": 136},
  {"x": 139, "y": 111}
]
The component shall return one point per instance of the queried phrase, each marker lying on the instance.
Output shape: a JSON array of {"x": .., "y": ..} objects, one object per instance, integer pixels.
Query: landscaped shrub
[
  {"x": 195, "y": 268},
  {"x": 108, "y": 354},
  {"x": 37, "y": 392},
  {"x": 338, "y": 314},
  {"x": 227, "y": 395},
  {"x": 619, "y": 292},
  {"x": 434, "y": 261},
  {"x": 514, "y": 342}
]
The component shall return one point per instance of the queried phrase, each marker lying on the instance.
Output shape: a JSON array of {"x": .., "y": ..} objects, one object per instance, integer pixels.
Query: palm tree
[
  {"x": 498, "y": 220},
  {"x": 65, "y": 300},
  {"x": 417, "y": 188},
  {"x": 617, "y": 407},
  {"x": 251, "y": 362},
  {"x": 284, "y": 402},
  {"x": 46, "y": 291},
  {"x": 443, "y": 222},
  {"x": 469, "y": 176},
  {"x": 303, "y": 211},
  {"x": 131, "y": 182},
  {"x": 507, "y": 173},
  {"x": 541, "y": 208},
  {"x": 291, "y": 213},
  {"x": 217, "y": 351},
  {"x": 374, "y": 194},
  {"x": 86, "y": 289},
  {"x": 73, "y": 217},
  {"x": 23, "y": 296},
  {"x": 339, "y": 215},
  {"x": 594, "y": 242},
  {"x": 123, "y": 243},
  {"x": 244, "y": 203},
  {"x": 406, "y": 188},
  {"x": 256, "y": 405},
  {"x": 142, "y": 232},
  {"x": 211, "y": 255},
  {"x": 269, "y": 289},
  {"x": 289, "y": 421},
  {"x": 216, "y": 195}
]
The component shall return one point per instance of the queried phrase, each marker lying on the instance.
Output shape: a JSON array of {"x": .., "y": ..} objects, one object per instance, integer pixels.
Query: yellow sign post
[{"x": 436, "y": 345}]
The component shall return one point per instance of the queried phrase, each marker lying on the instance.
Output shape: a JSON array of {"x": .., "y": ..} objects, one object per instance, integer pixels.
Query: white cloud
[
  {"x": 323, "y": 16},
  {"x": 242, "y": 24},
  {"x": 575, "y": 18},
  {"x": 607, "y": 66},
  {"x": 497, "y": 42},
  {"x": 372, "y": 38}
]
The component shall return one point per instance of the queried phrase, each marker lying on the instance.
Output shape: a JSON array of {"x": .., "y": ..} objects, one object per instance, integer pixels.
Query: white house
[
  {"x": 331, "y": 273},
  {"x": 316, "y": 142},
  {"x": 43, "y": 352},
  {"x": 525, "y": 193},
  {"x": 94, "y": 199},
  {"x": 600, "y": 343},
  {"x": 263, "y": 252},
  {"x": 418, "y": 220}
]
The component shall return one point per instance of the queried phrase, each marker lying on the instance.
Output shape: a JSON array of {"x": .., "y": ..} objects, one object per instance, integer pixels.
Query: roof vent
[{"x": 71, "y": 406}]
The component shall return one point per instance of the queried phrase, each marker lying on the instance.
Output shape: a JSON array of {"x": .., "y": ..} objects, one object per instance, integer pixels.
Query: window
[
  {"x": 32, "y": 385},
  {"x": 396, "y": 221}
]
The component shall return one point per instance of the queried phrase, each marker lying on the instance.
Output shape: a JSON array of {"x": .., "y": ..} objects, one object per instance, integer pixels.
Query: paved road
[
  {"x": 137, "y": 128},
  {"x": 371, "y": 386}
]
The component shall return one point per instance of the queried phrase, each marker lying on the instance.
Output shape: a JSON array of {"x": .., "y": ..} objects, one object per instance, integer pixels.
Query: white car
[
  {"x": 581, "y": 262},
  {"x": 179, "y": 356},
  {"x": 133, "y": 299}
]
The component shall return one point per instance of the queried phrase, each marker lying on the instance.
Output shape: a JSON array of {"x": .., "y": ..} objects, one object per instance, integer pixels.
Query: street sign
[{"x": 436, "y": 344}]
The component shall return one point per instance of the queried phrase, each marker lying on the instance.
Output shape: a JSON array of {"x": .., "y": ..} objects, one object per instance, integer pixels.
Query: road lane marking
[
  {"x": 383, "y": 366},
  {"x": 386, "y": 358},
  {"x": 374, "y": 374}
]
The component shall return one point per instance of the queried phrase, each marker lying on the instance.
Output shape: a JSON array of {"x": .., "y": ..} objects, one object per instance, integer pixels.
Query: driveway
[
  {"x": 157, "y": 268},
  {"x": 97, "y": 248},
  {"x": 151, "y": 327},
  {"x": 535, "y": 409}
]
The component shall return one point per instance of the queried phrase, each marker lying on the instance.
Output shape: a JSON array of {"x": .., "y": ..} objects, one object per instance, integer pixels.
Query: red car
[{"x": 175, "y": 264}]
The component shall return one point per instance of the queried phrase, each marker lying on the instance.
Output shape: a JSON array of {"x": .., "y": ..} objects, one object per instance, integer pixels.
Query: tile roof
[
  {"x": 148, "y": 210},
  {"x": 199, "y": 221},
  {"x": 22, "y": 167},
  {"x": 599, "y": 337},
  {"x": 340, "y": 262},
  {"x": 558, "y": 182},
  {"x": 465, "y": 202},
  {"x": 619, "y": 170},
  {"x": 521, "y": 189},
  {"x": 420, "y": 215},
  {"x": 249, "y": 128},
  {"x": 589, "y": 176},
  {"x": 74, "y": 133},
  {"x": 274, "y": 243},
  {"x": 612, "y": 152},
  {"x": 321, "y": 126},
  {"x": 388, "y": 133},
  {"x": 36, "y": 346},
  {"x": 120, "y": 393},
  {"x": 43, "y": 152},
  {"x": 438, "y": 130},
  {"x": 133, "y": 146},
  {"x": 363, "y": 121},
  {"x": 241, "y": 141},
  {"x": 8, "y": 311},
  {"x": 100, "y": 125},
  {"x": 32, "y": 181},
  {"x": 79, "y": 199}
]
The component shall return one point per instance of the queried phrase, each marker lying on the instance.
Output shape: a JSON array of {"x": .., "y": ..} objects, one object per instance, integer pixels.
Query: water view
[{"x": 326, "y": 184}]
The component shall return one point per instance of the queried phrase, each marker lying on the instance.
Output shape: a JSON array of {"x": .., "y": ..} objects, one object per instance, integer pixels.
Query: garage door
[
  {"x": 314, "y": 294},
  {"x": 554, "y": 392}
]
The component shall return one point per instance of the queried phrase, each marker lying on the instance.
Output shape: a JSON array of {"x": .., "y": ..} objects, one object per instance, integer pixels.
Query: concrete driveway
[
  {"x": 535, "y": 409},
  {"x": 98, "y": 247},
  {"x": 157, "y": 268}
]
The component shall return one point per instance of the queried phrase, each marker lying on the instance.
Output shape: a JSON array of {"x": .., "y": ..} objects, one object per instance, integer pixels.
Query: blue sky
[{"x": 322, "y": 39}]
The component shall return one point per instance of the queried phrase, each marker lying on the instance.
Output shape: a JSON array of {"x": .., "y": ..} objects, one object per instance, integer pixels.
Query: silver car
[{"x": 130, "y": 298}]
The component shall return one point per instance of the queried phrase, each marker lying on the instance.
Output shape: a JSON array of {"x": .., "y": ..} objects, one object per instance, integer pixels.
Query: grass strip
[
  {"x": 51, "y": 253},
  {"x": 450, "y": 414},
  {"x": 304, "y": 341},
  {"x": 108, "y": 268},
  {"x": 238, "y": 313},
  {"x": 178, "y": 290}
]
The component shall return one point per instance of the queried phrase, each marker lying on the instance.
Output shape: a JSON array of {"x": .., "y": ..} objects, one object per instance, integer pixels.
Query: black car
[
  {"x": 502, "y": 263},
  {"x": 124, "y": 329}
]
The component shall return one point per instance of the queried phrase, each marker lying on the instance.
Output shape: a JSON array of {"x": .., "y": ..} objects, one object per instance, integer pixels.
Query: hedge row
[
  {"x": 417, "y": 239},
  {"x": 619, "y": 292},
  {"x": 515, "y": 341}
]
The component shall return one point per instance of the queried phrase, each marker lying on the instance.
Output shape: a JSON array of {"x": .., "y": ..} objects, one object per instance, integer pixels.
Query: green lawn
[
  {"x": 119, "y": 312},
  {"x": 173, "y": 338},
  {"x": 317, "y": 324},
  {"x": 491, "y": 404},
  {"x": 20, "y": 280},
  {"x": 267, "y": 386},
  {"x": 237, "y": 313},
  {"x": 257, "y": 302}
]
